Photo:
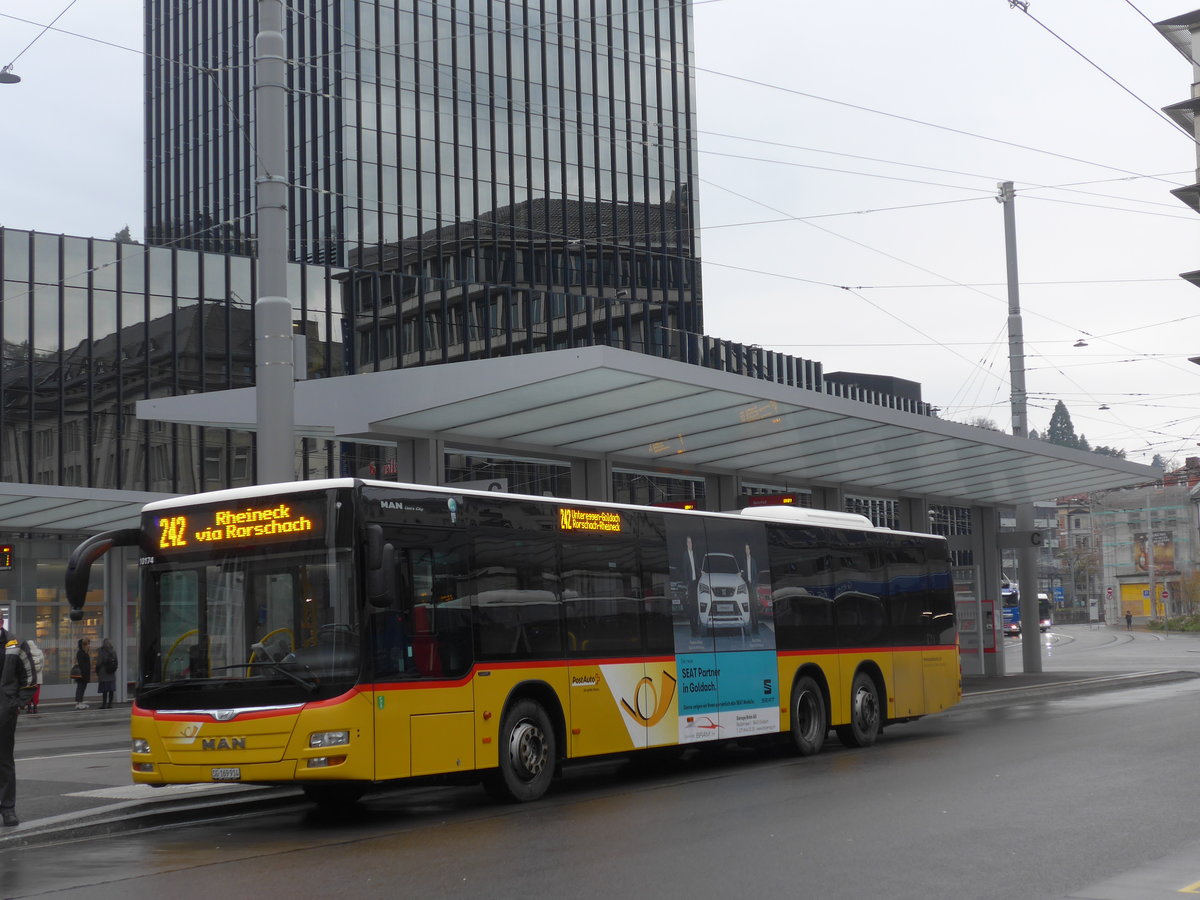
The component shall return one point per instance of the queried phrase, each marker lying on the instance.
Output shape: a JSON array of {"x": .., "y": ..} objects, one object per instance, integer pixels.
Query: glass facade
[
  {"x": 467, "y": 145},
  {"x": 88, "y": 327}
]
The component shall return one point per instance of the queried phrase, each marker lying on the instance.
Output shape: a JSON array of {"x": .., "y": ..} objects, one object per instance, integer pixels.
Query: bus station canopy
[
  {"x": 50, "y": 508},
  {"x": 645, "y": 412}
]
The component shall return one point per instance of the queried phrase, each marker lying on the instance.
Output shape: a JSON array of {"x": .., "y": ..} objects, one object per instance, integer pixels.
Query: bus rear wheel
[
  {"x": 528, "y": 754},
  {"x": 866, "y": 719},
  {"x": 809, "y": 720}
]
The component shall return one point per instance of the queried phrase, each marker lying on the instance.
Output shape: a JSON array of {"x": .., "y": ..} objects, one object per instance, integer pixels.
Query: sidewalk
[
  {"x": 58, "y": 799},
  {"x": 980, "y": 686}
]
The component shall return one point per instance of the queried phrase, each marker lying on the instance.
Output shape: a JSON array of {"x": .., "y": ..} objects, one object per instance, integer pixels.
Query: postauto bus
[{"x": 345, "y": 634}]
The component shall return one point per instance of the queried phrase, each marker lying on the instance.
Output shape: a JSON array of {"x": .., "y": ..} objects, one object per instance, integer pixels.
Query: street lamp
[{"x": 7, "y": 76}]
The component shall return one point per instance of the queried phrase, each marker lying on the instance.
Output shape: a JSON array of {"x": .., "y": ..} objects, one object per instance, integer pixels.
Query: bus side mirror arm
[
  {"x": 79, "y": 566},
  {"x": 380, "y": 566}
]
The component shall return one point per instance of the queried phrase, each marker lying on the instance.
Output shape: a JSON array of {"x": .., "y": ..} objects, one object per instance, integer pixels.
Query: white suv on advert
[{"x": 721, "y": 593}]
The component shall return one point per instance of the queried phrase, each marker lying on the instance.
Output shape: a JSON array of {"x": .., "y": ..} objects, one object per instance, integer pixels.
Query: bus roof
[{"x": 790, "y": 514}]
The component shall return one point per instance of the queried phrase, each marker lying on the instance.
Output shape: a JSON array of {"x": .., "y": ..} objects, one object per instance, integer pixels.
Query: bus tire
[
  {"x": 810, "y": 723},
  {"x": 334, "y": 795},
  {"x": 528, "y": 754},
  {"x": 866, "y": 719}
]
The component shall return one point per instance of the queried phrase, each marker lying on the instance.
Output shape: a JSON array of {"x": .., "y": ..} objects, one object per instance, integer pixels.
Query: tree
[
  {"x": 984, "y": 422},
  {"x": 1108, "y": 451},
  {"x": 1188, "y": 591},
  {"x": 123, "y": 236},
  {"x": 1158, "y": 462},
  {"x": 1061, "y": 431}
]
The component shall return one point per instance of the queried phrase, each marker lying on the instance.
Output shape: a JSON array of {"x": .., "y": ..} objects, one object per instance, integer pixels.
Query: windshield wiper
[{"x": 310, "y": 686}]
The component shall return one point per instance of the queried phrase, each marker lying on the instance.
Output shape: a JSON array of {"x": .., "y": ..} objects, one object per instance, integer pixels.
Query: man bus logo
[
  {"x": 237, "y": 743},
  {"x": 650, "y": 713}
]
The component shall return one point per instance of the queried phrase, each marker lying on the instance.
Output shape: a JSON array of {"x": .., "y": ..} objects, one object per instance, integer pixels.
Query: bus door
[
  {"x": 423, "y": 709},
  {"x": 908, "y": 600},
  {"x": 610, "y": 703}
]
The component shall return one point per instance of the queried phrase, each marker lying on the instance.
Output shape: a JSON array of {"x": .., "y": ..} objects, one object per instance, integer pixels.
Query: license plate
[{"x": 226, "y": 774}]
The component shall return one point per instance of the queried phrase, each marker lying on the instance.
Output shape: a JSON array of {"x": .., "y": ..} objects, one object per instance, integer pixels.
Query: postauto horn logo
[{"x": 650, "y": 704}]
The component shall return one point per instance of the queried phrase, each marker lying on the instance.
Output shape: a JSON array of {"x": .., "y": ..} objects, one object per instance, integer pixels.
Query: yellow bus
[{"x": 347, "y": 634}]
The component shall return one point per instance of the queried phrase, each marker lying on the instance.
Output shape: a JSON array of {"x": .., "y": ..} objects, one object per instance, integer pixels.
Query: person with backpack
[
  {"x": 16, "y": 686},
  {"x": 106, "y": 670},
  {"x": 82, "y": 671}
]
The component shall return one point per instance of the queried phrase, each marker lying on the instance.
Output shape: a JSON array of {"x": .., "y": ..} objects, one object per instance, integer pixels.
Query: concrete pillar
[
  {"x": 721, "y": 492},
  {"x": 591, "y": 479},
  {"x": 914, "y": 514},
  {"x": 421, "y": 461},
  {"x": 828, "y": 498},
  {"x": 116, "y": 612},
  {"x": 986, "y": 553}
]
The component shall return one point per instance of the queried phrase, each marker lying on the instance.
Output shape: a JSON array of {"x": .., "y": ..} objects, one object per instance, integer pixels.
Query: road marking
[
  {"x": 1190, "y": 889},
  {"x": 166, "y": 792},
  {"x": 69, "y": 755}
]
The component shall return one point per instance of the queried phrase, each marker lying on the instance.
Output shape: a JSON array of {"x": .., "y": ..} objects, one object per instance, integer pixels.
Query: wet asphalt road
[{"x": 1026, "y": 797}]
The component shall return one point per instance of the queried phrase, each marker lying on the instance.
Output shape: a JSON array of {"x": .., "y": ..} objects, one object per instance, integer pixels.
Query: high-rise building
[{"x": 543, "y": 146}]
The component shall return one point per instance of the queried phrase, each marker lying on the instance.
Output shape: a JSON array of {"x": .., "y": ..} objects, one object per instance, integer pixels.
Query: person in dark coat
[
  {"x": 83, "y": 659},
  {"x": 14, "y": 684},
  {"x": 106, "y": 670}
]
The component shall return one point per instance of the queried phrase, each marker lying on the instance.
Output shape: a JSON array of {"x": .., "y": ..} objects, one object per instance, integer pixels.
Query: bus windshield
[{"x": 280, "y": 621}]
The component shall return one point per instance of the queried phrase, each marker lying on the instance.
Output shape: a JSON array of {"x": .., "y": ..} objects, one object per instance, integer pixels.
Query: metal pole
[
  {"x": 1150, "y": 552},
  {"x": 274, "y": 369},
  {"x": 1031, "y": 650}
]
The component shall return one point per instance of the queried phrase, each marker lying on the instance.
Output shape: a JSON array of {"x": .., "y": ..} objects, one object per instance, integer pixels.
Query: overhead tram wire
[
  {"x": 892, "y": 162},
  {"x": 913, "y": 121},
  {"x": 39, "y": 35},
  {"x": 96, "y": 40},
  {"x": 989, "y": 190},
  {"x": 1024, "y": 7},
  {"x": 914, "y": 265},
  {"x": 584, "y": 40},
  {"x": 851, "y": 290}
]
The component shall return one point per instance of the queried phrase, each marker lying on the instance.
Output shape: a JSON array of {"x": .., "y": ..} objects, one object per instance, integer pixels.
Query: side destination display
[{"x": 238, "y": 525}]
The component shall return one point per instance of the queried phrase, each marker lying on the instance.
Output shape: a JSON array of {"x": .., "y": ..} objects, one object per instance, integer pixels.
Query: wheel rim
[
  {"x": 806, "y": 716},
  {"x": 866, "y": 709},
  {"x": 527, "y": 749}
]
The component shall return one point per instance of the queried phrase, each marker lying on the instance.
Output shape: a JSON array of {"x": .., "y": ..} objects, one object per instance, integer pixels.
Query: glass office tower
[{"x": 466, "y": 145}]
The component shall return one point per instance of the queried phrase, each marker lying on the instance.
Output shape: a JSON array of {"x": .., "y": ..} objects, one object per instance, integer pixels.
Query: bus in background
[
  {"x": 348, "y": 634},
  {"x": 1011, "y": 609},
  {"x": 1045, "y": 615}
]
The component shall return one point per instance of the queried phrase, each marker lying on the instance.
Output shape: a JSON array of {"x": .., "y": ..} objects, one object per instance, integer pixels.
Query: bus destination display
[
  {"x": 239, "y": 525},
  {"x": 588, "y": 519}
]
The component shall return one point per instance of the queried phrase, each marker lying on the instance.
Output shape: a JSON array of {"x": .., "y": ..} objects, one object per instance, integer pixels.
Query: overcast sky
[{"x": 843, "y": 145}]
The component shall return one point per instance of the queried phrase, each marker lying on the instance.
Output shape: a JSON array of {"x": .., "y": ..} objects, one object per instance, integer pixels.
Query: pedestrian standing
[
  {"x": 106, "y": 670},
  {"x": 16, "y": 679},
  {"x": 83, "y": 662},
  {"x": 1128, "y": 620}
]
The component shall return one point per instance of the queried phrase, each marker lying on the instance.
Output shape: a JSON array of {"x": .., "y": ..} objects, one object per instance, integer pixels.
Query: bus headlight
[
  {"x": 140, "y": 746},
  {"x": 328, "y": 739}
]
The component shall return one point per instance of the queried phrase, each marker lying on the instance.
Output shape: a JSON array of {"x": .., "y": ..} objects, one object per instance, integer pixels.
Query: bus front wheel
[
  {"x": 866, "y": 719},
  {"x": 809, "y": 721},
  {"x": 527, "y": 754}
]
